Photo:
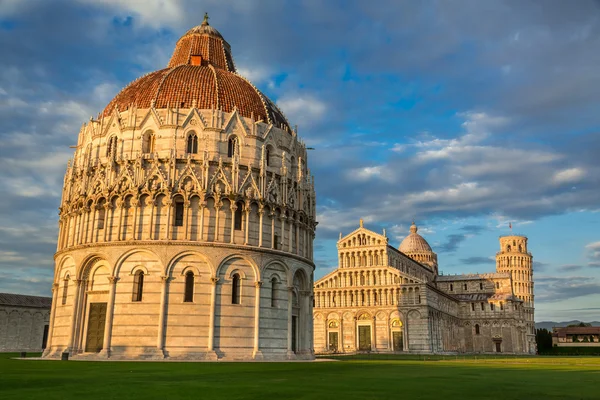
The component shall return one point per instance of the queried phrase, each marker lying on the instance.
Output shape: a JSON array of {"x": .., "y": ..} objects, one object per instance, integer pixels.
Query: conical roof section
[{"x": 201, "y": 74}]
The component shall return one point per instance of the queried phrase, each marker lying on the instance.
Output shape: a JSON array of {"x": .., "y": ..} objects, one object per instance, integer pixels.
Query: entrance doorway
[
  {"x": 95, "y": 331},
  {"x": 333, "y": 341},
  {"x": 294, "y": 333},
  {"x": 498, "y": 347},
  {"x": 364, "y": 338},
  {"x": 398, "y": 341}
]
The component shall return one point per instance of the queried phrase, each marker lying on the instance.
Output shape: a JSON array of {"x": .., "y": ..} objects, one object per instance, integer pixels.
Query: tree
[
  {"x": 543, "y": 338},
  {"x": 579, "y": 325}
]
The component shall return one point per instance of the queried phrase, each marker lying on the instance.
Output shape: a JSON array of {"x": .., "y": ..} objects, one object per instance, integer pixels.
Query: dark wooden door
[
  {"x": 364, "y": 338},
  {"x": 398, "y": 341},
  {"x": 95, "y": 331},
  {"x": 498, "y": 348},
  {"x": 333, "y": 341},
  {"x": 294, "y": 329}
]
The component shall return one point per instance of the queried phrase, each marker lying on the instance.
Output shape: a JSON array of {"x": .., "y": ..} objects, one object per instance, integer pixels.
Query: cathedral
[
  {"x": 386, "y": 300},
  {"x": 187, "y": 221}
]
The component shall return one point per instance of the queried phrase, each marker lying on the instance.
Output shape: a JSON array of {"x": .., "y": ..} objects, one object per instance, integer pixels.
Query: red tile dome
[{"x": 201, "y": 74}]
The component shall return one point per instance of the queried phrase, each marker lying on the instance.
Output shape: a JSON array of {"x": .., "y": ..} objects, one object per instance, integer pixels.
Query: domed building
[
  {"x": 187, "y": 221},
  {"x": 417, "y": 248},
  {"x": 387, "y": 300}
]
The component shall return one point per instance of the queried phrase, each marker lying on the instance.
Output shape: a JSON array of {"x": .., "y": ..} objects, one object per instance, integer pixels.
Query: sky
[{"x": 462, "y": 115}]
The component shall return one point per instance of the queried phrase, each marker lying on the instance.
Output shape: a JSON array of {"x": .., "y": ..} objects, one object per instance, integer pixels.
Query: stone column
[
  {"x": 109, "y": 316},
  {"x": 217, "y": 209},
  {"x": 272, "y": 215},
  {"x": 260, "y": 225},
  {"x": 374, "y": 341},
  {"x": 93, "y": 238},
  {"x": 256, "y": 353},
  {"x": 74, "y": 313},
  {"x": 297, "y": 233},
  {"x": 150, "y": 202},
  {"x": 290, "y": 235},
  {"x": 121, "y": 206},
  {"x": 48, "y": 349},
  {"x": 282, "y": 218},
  {"x": 160, "y": 340},
  {"x": 290, "y": 351},
  {"x": 107, "y": 221},
  {"x": 355, "y": 333},
  {"x": 170, "y": 224},
  {"x": 136, "y": 207},
  {"x": 233, "y": 209},
  {"x": 211, "y": 321},
  {"x": 247, "y": 210},
  {"x": 202, "y": 207},
  {"x": 186, "y": 219},
  {"x": 405, "y": 335}
]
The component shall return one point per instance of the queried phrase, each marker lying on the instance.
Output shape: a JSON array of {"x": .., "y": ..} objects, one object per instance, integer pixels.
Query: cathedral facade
[
  {"x": 387, "y": 300},
  {"x": 187, "y": 221}
]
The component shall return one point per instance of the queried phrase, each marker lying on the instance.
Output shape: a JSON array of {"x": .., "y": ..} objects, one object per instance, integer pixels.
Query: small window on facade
[
  {"x": 237, "y": 223},
  {"x": 138, "y": 286},
  {"x": 492, "y": 306},
  {"x": 482, "y": 307},
  {"x": 497, "y": 285},
  {"x": 273, "y": 291},
  {"x": 65, "y": 291},
  {"x": 188, "y": 296},
  {"x": 477, "y": 329},
  {"x": 451, "y": 287},
  {"x": 472, "y": 306},
  {"x": 179, "y": 213},
  {"x": 480, "y": 286},
  {"x": 465, "y": 286},
  {"x": 192, "y": 144},
  {"x": 235, "y": 289},
  {"x": 148, "y": 143},
  {"x": 231, "y": 146},
  {"x": 501, "y": 306}
]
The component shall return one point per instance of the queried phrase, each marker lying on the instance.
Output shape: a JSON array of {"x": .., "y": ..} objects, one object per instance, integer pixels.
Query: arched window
[
  {"x": 451, "y": 287},
  {"x": 101, "y": 213},
  {"x": 465, "y": 286},
  {"x": 111, "y": 147},
  {"x": 472, "y": 306},
  {"x": 477, "y": 329},
  {"x": 192, "y": 144},
  {"x": 188, "y": 296},
  {"x": 148, "y": 143},
  {"x": 232, "y": 146},
  {"x": 480, "y": 285},
  {"x": 508, "y": 248},
  {"x": 497, "y": 285},
  {"x": 237, "y": 223},
  {"x": 65, "y": 291},
  {"x": 236, "y": 289},
  {"x": 273, "y": 291},
  {"x": 179, "y": 212},
  {"x": 138, "y": 286}
]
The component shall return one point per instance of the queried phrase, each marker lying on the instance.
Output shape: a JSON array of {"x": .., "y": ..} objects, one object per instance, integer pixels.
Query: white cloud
[
  {"x": 570, "y": 175},
  {"x": 152, "y": 13},
  {"x": 256, "y": 74},
  {"x": 303, "y": 109}
]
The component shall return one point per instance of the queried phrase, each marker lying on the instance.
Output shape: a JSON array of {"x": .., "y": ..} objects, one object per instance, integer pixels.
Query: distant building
[
  {"x": 576, "y": 336},
  {"x": 23, "y": 322},
  {"x": 383, "y": 299}
]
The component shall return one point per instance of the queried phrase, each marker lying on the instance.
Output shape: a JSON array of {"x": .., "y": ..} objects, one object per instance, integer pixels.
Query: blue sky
[{"x": 464, "y": 115}]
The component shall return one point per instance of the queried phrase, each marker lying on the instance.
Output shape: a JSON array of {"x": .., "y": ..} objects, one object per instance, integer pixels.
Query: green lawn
[{"x": 367, "y": 377}]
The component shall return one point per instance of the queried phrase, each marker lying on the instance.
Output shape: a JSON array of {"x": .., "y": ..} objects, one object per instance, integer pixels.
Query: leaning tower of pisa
[{"x": 515, "y": 259}]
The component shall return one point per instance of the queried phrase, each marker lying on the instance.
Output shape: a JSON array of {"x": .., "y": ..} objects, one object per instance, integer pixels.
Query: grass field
[{"x": 359, "y": 377}]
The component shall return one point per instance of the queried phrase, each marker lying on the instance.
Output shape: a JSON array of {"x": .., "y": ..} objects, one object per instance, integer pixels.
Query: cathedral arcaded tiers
[
  {"x": 387, "y": 300},
  {"x": 187, "y": 221}
]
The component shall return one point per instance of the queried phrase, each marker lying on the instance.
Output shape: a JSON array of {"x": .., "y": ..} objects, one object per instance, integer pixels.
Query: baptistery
[{"x": 187, "y": 221}]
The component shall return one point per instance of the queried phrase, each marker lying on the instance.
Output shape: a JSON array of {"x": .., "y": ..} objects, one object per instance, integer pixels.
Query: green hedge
[{"x": 571, "y": 351}]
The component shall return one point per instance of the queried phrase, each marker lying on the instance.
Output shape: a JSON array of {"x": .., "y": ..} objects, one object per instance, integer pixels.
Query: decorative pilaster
[
  {"x": 211, "y": 322},
  {"x": 160, "y": 342},
  {"x": 109, "y": 316},
  {"x": 261, "y": 212},
  {"x": 290, "y": 351},
  {"x": 74, "y": 312},
  {"x": 256, "y": 353},
  {"x": 48, "y": 348}
]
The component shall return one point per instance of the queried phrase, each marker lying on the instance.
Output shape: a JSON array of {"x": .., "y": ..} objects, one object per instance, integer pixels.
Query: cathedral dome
[
  {"x": 414, "y": 243},
  {"x": 200, "y": 74}
]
